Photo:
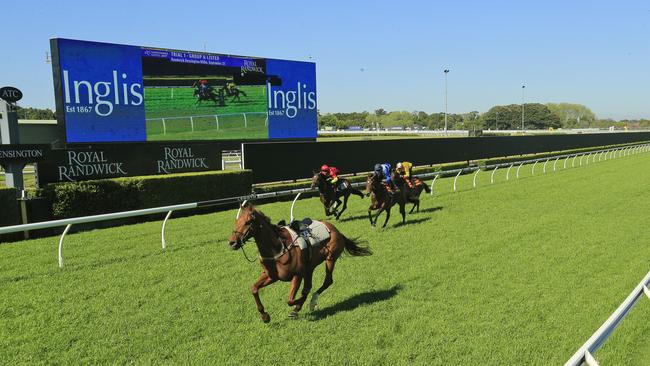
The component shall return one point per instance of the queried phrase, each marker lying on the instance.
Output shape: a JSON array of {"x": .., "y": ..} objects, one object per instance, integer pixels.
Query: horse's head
[
  {"x": 246, "y": 226},
  {"x": 370, "y": 183},
  {"x": 317, "y": 180}
]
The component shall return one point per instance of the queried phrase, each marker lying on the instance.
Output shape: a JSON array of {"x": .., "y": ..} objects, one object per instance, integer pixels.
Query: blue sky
[{"x": 374, "y": 54}]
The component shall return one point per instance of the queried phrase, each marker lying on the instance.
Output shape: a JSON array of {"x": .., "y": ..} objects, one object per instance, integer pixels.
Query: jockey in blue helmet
[{"x": 382, "y": 171}]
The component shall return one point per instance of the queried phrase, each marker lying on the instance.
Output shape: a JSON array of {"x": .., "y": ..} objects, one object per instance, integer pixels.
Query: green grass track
[{"x": 511, "y": 273}]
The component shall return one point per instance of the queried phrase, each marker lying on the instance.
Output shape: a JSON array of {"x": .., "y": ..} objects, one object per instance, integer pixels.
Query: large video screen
[{"x": 113, "y": 93}]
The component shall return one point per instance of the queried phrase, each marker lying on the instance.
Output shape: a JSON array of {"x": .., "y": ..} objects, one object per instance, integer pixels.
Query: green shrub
[{"x": 123, "y": 194}]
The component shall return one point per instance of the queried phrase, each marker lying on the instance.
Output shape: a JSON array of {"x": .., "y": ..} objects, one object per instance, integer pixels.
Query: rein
[{"x": 243, "y": 238}]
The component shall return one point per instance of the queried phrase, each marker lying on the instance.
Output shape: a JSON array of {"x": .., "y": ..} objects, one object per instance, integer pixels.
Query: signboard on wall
[
  {"x": 100, "y": 161},
  {"x": 118, "y": 93}
]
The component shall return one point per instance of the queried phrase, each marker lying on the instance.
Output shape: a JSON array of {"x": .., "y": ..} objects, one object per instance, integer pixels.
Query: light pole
[
  {"x": 523, "y": 87},
  {"x": 446, "y": 72}
]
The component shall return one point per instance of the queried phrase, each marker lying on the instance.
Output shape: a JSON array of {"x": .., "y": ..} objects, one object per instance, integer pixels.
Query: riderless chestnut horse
[
  {"x": 281, "y": 260},
  {"x": 331, "y": 197},
  {"x": 382, "y": 200}
]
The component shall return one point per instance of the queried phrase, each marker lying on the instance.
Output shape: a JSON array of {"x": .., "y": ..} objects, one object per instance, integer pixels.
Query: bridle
[{"x": 242, "y": 238}]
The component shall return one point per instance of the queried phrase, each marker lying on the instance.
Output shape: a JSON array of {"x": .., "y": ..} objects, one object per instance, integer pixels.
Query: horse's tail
[
  {"x": 354, "y": 249},
  {"x": 356, "y": 192},
  {"x": 426, "y": 186}
]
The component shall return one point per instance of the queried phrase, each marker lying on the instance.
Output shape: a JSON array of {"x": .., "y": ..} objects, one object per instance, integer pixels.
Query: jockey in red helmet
[{"x": 330, "y": 173}]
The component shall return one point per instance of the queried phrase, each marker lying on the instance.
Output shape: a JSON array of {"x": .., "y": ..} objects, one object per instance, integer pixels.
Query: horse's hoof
[
  {"x": 266, "y": 318},
  {"x": 293, "y": 315}
]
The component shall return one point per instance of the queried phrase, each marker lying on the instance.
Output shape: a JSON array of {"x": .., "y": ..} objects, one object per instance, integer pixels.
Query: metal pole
[
  {"x": 446, "y": 72},
  {"x": 474, "y": 180},
  {"x": 523, "y": 87},
  {"x": 216, "y": 119}
]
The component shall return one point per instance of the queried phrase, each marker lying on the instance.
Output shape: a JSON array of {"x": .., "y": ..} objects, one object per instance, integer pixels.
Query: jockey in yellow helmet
[{"x": 404, "y": 169}]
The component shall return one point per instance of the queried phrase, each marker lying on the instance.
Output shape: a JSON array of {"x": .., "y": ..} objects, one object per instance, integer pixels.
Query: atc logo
[{"x": 102, "y": 91}]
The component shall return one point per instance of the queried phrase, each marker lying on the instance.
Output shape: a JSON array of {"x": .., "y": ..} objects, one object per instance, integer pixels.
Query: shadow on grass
[
  {"x": 365, "y": 298},
  {"x": 430, "y": 209},
  {"x": 412, "y": 222},
  {"x": 352, "y": 218}
]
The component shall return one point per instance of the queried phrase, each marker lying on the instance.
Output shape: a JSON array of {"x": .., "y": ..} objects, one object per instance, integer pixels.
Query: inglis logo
[
  {"x": 104, "y": 95},
  {"x": 287, "y": 103}
]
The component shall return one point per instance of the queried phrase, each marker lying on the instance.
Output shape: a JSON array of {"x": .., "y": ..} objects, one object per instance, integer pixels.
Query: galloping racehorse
[
  {"x": 281, "y": 260},
  {"x": 382, "y": 200},
  {"x": 232, "y": 92},
  {"x": 329, "y": 196},
  {"x": 209, "y": 94},
  {"x": 411, "y": 195}
]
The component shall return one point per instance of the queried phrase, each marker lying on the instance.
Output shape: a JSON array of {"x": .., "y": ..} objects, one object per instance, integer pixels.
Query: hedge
[{"x": 123, "y": 194}]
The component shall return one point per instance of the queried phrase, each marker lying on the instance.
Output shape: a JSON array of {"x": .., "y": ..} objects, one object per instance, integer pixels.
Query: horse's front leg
[
  {"x": 387, "y": 217},
  {"x": 295, "y": 285},
  {"x": 263, "y": 281}
]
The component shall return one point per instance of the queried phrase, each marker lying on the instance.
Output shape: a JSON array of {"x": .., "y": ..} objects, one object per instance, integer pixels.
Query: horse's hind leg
[
  {"x": 295, "y": 285},
  {"x": 416, "y": 203},
  {"x": 327, "y": 282},
  {"x": 402, "y": 210},
  {"x": 345, "y": 205},
  {"x": 263, "y": 281}
]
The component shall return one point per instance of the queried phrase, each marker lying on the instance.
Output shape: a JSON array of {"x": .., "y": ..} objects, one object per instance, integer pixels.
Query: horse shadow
[
  {"x": 412, "y": 222},
  {"x": 365, "y": 298},
  {"x": 352, "y": 218},
  {"x": 430, "y": 209}
]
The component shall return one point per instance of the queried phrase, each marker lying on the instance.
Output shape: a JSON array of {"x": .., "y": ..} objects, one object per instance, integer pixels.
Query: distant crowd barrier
[{"x": 281, "y": 161}]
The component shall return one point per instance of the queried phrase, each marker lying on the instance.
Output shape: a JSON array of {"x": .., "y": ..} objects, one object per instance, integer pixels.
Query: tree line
[{"x": 506, "y": 117}]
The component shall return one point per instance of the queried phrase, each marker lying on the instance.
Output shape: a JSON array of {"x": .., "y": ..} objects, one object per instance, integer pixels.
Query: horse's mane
[{"x": 267, "y": 219}]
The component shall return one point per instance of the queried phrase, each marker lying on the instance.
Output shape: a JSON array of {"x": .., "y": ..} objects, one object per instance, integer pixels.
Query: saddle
[{"x": 307, "y": 233}]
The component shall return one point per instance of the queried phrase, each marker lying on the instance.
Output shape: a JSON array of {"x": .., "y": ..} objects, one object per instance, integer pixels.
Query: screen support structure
[{"x": 9, "y": 134}]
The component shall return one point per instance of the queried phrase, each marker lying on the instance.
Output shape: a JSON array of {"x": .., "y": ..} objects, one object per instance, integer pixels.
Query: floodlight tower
[
  {"x": 523, "y": 87},
  {"x": 446, "y": 71}
]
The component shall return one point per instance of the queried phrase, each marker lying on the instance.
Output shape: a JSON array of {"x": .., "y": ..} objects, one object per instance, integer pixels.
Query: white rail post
[
  {"x": 520, "y": 165},
  {"x": 555, "y": 163},
  {"x": 67, "y": 228},
  {"x": 565, "y": 160},
  {"x": 216, "y": 119},
  {"x": 172, "y": 93},
  {"x": 266, "y": 120},
  {"x": 593, "y": 160},
  {"x": 508, "y": 171},
  {"x": 589, "y": 359},
  {"x": 546, "y": 162},
  {"x": 460, "y": 171},
  {"x": 164, "y": 242},
  {"x": 573, "y": 162},
  {"x": 433, "y": 182},
  {"x": 293, "y": 204},
  {"x": 192, "y": 122},
  {"x": 492, "y": 176},
  {"x": 533, "y": 170},
  {"x": 239, "y": 210},
  {"x": 581, "y": 156},
  {"x": 475, "y": 174},
  {"x": 245, "y": 120},
  {"x": 164, "y": 126}
]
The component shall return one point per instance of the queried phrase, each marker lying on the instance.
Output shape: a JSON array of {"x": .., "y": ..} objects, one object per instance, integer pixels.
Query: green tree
[{"x": 573, "y": 115}]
